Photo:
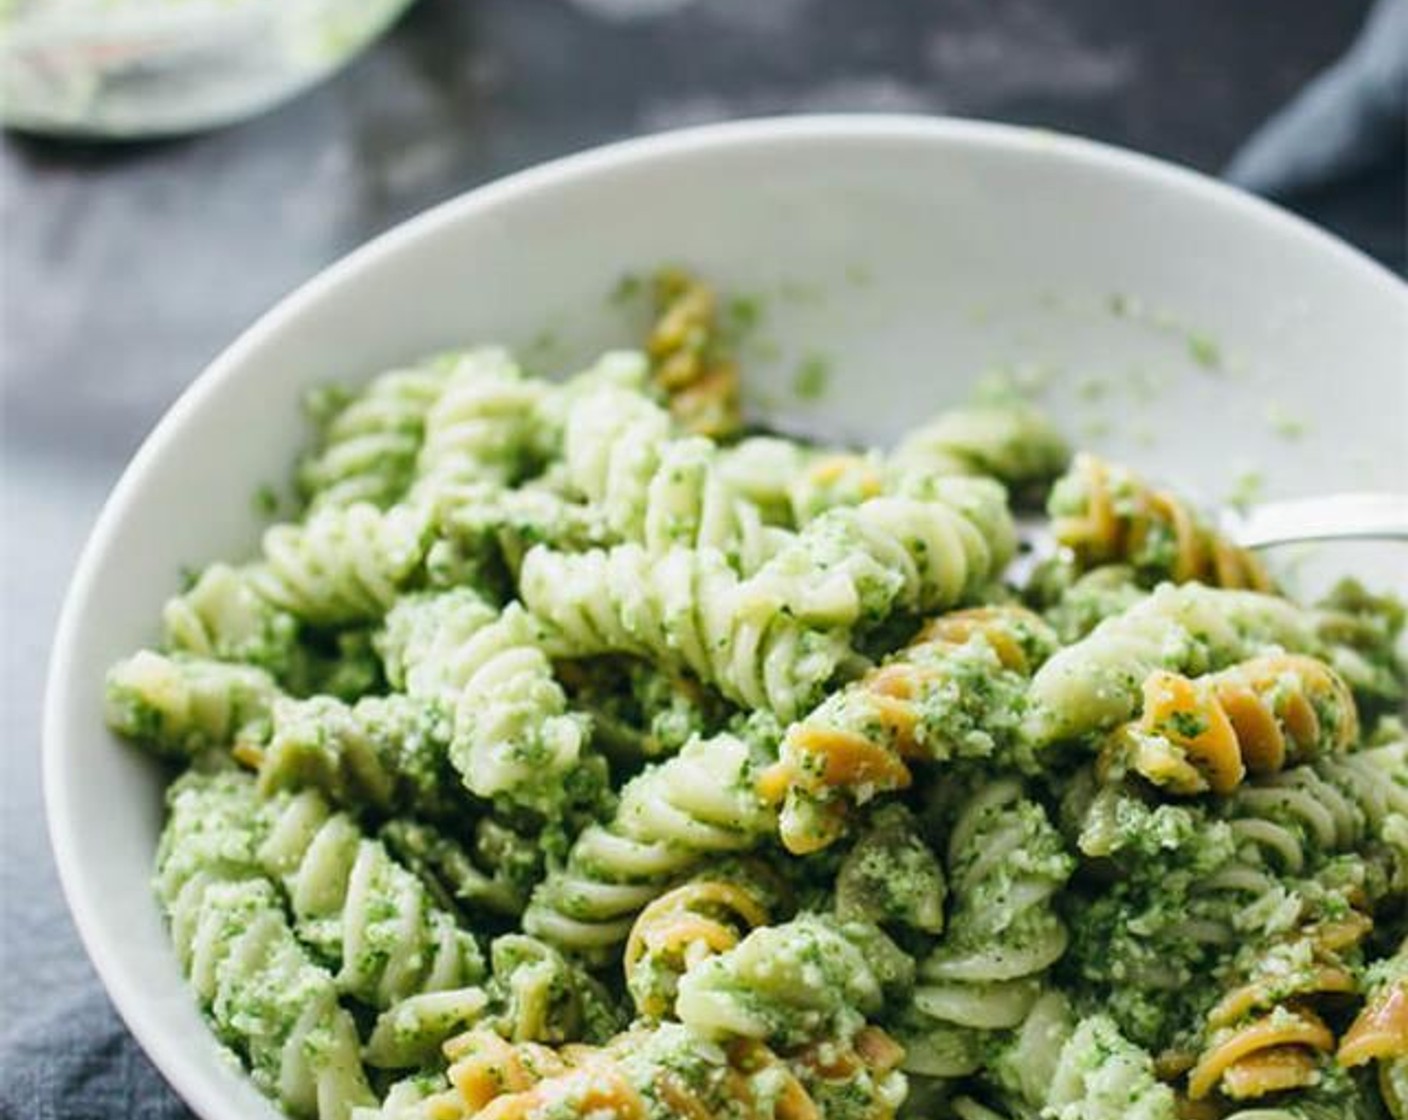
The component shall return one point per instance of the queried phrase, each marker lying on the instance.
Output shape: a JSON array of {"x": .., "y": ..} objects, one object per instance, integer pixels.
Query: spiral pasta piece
[
  {"x": 670, "y": 820},
  {"x": 657, "y": 490},
  {"x": 665, "y": 1072},
  {"x": 179, "y": 706},
  {"x": 479, "y": 429},
  {"x": 1069, "y": 1068},
  {"x": 684, "y": 926},
  {"x": 266, "y": 996},
  {"x": 1107, "y": 515},
  {"x": 353, "y": 905},
  {"x": 1016, "y": 445},
  {"x": 688, "y": 609},
  {"x": 1006, "y": 862},
  {"x": 1265, "y": 1036},
  {"x": 640, "y": 712},
  {"x": 1281, "y": 853},
  {"x": 955, "y": 691},
  {"x": 1096, "y": 683},
  {"x": 891, "y": 875},
  {"x": 223, "y": 618},
  {"x": 387, "y": 753},
  {"x": 1257, "y": 717},
  {"x": 1347, "y": 803},
  {"x": 487, "y": 530},
  {"x": 793, "y": 984},
  {"x": 512, "y": 734},
  {"x": 687, "y": 359},
  {"x": 367, "y": 448},
  {"x": 773, "y": 640},
  {"x": 1380, "y": 1032},
  {"x": 343, "y": 564}
]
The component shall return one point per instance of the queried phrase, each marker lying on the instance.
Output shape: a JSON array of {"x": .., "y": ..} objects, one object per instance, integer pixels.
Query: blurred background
[{"x": 124, "y": 268}]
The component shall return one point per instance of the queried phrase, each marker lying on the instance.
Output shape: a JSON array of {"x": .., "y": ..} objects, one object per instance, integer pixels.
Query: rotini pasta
[
  {"x": 263, "y": 991},
  {"x": 1254, "y": 717},
  {"x": 387, "y": 753},
  {"x": 1096, "y": 683},
  {"x": 812, "y": 977},
  {"x": 773, "y": 640},
  {"x": 512, "y": 734},
  {"x": 179, "y": 706},
  {"x": 660, "y": 491},
  {"x": 670, "y": 820},
  {"x": 1015, "y": 445},
  {"x": 686, "y": 353},
  {"x": 368, "y": 443},
  {"x": 480, "y": 428},
  {"x": 956, "y": 691},
  {"x": 1107, "y": 515},
  {"x": 684, "y": 926},
  {"x": 223, "y": 618},
  {"x": 1380, "y": 1032},
  {"x": 562, "y": 757},
  {"x": 1265, "y": 1036},
  {"x": 1006, "y": 862},
  {"x": 343, "y": 564}
]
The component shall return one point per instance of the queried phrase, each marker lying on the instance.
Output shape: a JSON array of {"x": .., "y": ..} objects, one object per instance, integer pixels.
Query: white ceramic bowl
[{"x": 1199, "y": 325}]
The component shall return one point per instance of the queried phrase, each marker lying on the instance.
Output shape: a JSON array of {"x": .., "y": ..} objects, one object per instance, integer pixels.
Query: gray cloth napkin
[{"x": 1337, "y": 153}]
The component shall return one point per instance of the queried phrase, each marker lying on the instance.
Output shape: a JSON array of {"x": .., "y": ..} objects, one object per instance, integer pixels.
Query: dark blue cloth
[{"x": 1338, "y": 153}]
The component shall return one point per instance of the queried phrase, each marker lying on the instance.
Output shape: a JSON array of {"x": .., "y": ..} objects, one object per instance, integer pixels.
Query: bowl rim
[{"x": 179, "y": 1065}]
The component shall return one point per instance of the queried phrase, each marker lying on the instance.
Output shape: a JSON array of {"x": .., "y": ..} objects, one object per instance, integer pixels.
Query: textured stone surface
[{"x": 125, "y": 269}]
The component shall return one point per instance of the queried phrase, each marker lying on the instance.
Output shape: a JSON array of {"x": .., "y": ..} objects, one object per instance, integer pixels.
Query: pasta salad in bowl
[{"x": 567, "y": 742}]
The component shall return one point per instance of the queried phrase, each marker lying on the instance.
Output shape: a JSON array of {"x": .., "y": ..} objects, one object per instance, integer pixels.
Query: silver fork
[{"x": 1350, "y": 515}]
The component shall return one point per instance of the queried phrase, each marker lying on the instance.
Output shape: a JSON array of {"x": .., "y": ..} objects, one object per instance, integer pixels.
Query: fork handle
[{"x": 1323, "y": 518}]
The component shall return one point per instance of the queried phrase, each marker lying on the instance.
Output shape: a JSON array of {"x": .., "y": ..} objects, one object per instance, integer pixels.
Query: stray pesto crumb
[
  {"x": 627, "y": 288},
  {"x": 1144, "y": 435},
  {"x": 1092, "y": 387},
  {"x": 1122, "y": 306},
  {"x": 1204, "y": 350},
  {"x": 1144, "y": 384},
  {"x": 766, "y": 349},
  {"x": 813, "y": 378},
  {"x": 543, "y": 343},
  {"x": 266, "y": 501},
  {"x": 743, "y": 313},
  {"x": 1096, "y": 426},
  {"x": 1247, "y": 489},
  {"x": 1013, "y": 384},
  {"x": 858, "y": 275},
  {"x": 795, "y": 291},
  {"x": 1283, "y": 422}
]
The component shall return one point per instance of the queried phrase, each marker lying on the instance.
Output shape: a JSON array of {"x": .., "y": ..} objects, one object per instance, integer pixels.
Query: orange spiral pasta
[
  {"x": 1208, "y": 733},
  {"x": 1380, "y": 1032},
  {"x": 683, "y": 344},
  {"x": 698, "y": 919},
  {"x": 662, "y": 1072},
  {"x": 954, "y": 691},
  {"x": 483, "y": 1066},
  {"x": 1105, "y": 514},
  {"x": 1266, "y": 1036}
]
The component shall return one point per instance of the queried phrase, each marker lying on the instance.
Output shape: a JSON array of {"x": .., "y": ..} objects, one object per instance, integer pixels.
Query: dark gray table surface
[{"x": 124, "y": 269}]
